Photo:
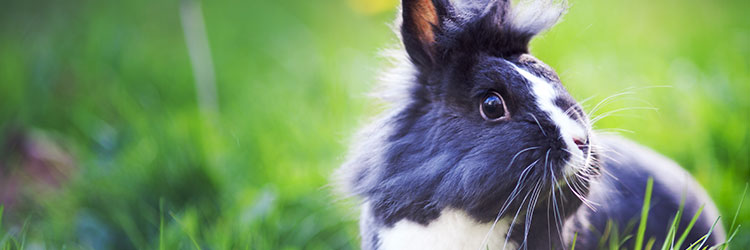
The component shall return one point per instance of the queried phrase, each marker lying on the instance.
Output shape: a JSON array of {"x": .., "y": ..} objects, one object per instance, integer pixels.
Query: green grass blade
[
  {"x": 675, "y": 224},
  {"x": 4, "y": 237},
  {"x": 672, "y": 230},
  {"x": 644, "y": 215},
  {"x": 724, "y": 245},
  {"x": 650, "y": 244},
  {"x": 731, "y": 237},
  {"x": 605, "y": 234},
  {"x": 575, "y": 237},
  {"x": 734, "y": 220},
  {"x": 737, "y": 213},
  {"x": 23, "y": 231},
  {"x": 705, "y": 237},
  {"x": 692, "y": 246},
  {"x": 185, "y": 229},
  {"x": 614, "y": 239},
  {"x": 161, "y": 224},
  {"x": 688, "y": 228},
  {"x": 625, "y": 239}
]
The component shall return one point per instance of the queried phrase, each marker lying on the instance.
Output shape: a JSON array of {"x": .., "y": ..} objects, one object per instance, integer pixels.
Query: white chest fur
[{"x": 454, "y": 229}]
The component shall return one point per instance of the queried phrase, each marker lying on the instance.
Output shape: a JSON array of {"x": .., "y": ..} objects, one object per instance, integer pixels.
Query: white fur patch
[
  {"x": 545, "y": 96},
  {"x": 454, "y": 229}
]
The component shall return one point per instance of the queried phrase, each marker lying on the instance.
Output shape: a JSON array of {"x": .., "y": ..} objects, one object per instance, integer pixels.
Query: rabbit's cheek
[{"x": 572, "y": 132}]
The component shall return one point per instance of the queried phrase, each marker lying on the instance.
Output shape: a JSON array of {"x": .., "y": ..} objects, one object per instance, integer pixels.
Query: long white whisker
[
  {"x": 539, "y": 124},
  {"x": 583, "y": 102},
  {"x": 614, "y": 130},
  {"x": 530, "y": 211},
  {"x": 556, "y": 207},
  {"x": 578, "y": 194},
  {"x": 510, "y": 229},
  {"x": 610, "y": 113},
  {"x": 608, "y": 99},
  {"x": 508, "y": 200}
]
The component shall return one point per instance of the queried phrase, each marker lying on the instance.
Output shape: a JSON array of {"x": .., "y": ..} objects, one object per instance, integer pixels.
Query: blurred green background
[{"x": 105, "y": 144}]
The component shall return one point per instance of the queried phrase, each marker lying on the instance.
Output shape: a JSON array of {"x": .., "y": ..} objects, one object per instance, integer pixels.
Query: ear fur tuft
[
  {"x": 432, "y": 30},
  {"x": 421, "y": 19},
  {"x": 534, "y": 16}
]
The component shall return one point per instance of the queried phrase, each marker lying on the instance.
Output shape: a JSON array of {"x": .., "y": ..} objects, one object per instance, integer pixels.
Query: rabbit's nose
[{"x": 581, "y": 142}]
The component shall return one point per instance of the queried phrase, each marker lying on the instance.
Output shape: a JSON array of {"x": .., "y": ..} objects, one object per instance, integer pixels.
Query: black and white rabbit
[{"x": 483, "y": 148}]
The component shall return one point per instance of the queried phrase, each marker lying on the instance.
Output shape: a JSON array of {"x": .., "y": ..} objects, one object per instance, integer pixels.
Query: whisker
[
  {"x": 613, "y": 131},
  {"x": 578, "y": 194},
  {"x": 538, "y": 124},
  {"x": 506, "y": 204},
  {"x": 607, "y": 100},
  {"x": 512, "y": 223},
  {"x": 583, "y": 102},
  {"x": 519, "y": 153},
  {"x": 609, "y": 113},
  {"x": 530, "y": 211},
  {"x": 557, "y": 216}
]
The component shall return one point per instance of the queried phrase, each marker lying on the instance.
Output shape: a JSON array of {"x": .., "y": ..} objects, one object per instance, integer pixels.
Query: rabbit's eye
[{"x": 493, "y": 107}]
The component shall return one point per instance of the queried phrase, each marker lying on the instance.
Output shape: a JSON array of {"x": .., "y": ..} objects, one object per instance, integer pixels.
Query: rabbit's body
[
  {"x": 483, "y": 143},
  {"x": 618, "y": 196}
]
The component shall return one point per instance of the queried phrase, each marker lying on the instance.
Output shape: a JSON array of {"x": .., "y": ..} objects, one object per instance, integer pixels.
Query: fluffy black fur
[{"x": 436, "y": 151}]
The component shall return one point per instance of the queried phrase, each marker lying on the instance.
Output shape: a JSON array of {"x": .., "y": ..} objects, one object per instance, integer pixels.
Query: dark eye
[{"x": 493, "y": 107}]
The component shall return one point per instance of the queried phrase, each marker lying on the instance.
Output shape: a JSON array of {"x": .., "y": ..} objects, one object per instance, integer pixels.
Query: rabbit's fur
[{"x": 433, "y": 172}]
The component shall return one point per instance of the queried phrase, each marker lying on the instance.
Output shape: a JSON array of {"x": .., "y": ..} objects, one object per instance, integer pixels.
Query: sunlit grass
[
  {"x": 644, "y": 215},
  {"x": 614, "y": 240}
]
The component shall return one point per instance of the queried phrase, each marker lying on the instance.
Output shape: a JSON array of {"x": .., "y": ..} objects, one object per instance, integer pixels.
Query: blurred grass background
[{"x": 103, "y": 143}]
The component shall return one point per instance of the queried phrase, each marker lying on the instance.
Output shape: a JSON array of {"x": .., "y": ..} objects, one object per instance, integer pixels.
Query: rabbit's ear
[{"x": 422, "y": 20}]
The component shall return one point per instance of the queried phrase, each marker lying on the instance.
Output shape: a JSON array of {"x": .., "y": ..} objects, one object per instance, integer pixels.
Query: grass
[
  {"x": 644, "y": 215},
  {"x": 616, "y": 241},
  {"x": 106, "y": 91},
  {"x": 687, "y": 229}
]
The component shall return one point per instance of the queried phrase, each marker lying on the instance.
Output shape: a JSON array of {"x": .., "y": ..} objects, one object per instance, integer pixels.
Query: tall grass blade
[
  {"x": 675, "y": 224},
  {"x": 614, "y": 239},
  {"x": 688, "y": 228},
  {"x": 161, "y": 224},
  {"x": 692, "y": 246},
  {"x": 734, "y": 220},
  {"x": 4, "y": 237},
  {"x": 575, "y": 237},
  {"x": 703, "y": 239},
  {"x": 23, "y": 231},
  {"x": 644, "y": 215},
  {"x": 625, "y": 239},
  {"x": 737, "y": 213},
  {"x": 731, "y": 237},
  {"x": 672, "y": 231},
  {"x": 650, "y": 244},
  {"x": 185, "y": 229},
  {"x": 605, "y": 234}
]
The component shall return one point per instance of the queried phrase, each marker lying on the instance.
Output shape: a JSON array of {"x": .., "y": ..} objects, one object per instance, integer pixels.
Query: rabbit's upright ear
[{"x": 422, "y": 21}]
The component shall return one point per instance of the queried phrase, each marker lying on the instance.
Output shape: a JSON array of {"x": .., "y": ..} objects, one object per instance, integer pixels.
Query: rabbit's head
[{"x": 481, "y": 126}]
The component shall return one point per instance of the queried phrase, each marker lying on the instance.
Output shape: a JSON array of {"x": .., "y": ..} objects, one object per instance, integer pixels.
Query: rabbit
[{"x": 482, "y": 147}]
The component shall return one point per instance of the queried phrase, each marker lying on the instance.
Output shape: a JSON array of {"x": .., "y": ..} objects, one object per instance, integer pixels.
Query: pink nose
[{"x": 580, "y": 142}]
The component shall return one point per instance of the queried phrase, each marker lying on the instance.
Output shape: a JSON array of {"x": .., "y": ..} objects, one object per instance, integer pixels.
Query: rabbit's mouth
[{"x": 586, "y": 166}]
